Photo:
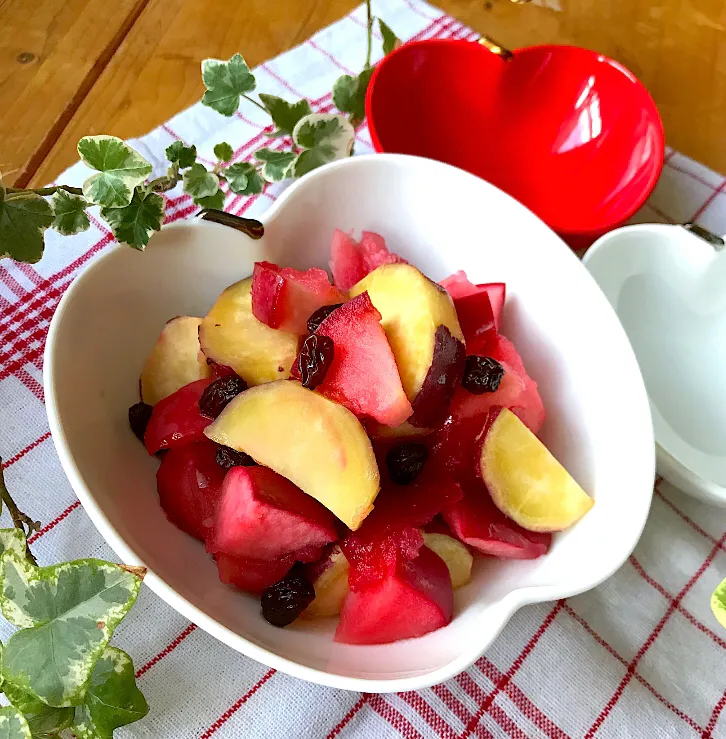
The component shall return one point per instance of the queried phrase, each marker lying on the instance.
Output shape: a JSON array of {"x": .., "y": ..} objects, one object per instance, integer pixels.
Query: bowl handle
[{"x": 254, "y": 229}]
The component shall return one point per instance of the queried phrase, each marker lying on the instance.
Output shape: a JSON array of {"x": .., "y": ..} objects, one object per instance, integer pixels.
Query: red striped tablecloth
[{"x": 640, "y": 656}]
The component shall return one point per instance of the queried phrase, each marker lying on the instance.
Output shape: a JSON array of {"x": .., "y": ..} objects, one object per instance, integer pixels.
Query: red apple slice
[
  {"x": 189, "y": 483},
  {"x": 262, "y": 515},
  {"x": 459, "y": 287},
  {"x": 230, "y": 335},
  {"x": 375, "y": 252},
  {"x": 284, "y": 298},
  {"x": 175, "y": 361},
  {"x": 412, "y": 600},
  {"x": 177, "y": 420},
  {"x": 346, "y": 260},
  {"x": 252, "y": 575},
  {"x": 525, "y": 481},
  {"x": 362, "y": 352},
  {"x": 312, "y": 441}
]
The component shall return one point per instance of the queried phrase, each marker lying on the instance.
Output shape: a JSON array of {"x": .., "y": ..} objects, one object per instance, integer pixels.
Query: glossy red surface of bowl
[{"x": 571, "y": 134}]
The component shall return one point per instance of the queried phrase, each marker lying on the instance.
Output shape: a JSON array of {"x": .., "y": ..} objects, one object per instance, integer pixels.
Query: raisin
[
  {"x": 228, "y": 458},
  {"x": 314, "y": 360},
  {"x": 319, "y": 316},
  {"x": 217, "y": 395},
  {"x": 284, "y": 601},
  {"x": 482, "y": 375},
  {"x": 139, "y": 417},
  {"x": 405, "y": 462}
]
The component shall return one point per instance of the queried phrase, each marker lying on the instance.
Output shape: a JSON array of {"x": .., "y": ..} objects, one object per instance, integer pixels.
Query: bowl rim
[
  {"x": 507, "y": 606},
  {"x": 568, "y": 232}
]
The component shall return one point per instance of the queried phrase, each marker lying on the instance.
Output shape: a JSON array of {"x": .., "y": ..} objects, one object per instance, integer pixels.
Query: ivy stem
[
  {"x": 46, "y": 190},
  {"x": 369, "y": 24},
  {"x": 20, "y": 520},
  {"x": 254, "y": 102}
]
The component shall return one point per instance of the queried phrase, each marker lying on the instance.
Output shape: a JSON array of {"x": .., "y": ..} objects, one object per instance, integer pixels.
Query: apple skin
[{"x": 524, "y": 479}]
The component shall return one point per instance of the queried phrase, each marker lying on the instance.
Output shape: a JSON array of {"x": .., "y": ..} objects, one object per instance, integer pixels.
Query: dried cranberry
[
  {"x": 405, "y": 462},
  {"x": 284, "y": 601},
  {"x": 320, "y": 315},
  {"x": 219, "y": 393},
  {"x": 314, "y": 360},
  {"x": 139, "y": 416},
  {"x": 228, "y": 458},
  {"x": 482, "y": 375}
]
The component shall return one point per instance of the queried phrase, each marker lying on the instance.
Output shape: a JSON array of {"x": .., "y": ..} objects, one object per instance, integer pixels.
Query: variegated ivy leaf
[
  {"x": 200, "y": 183},
  {"x": 120, "y": 170},
  {"x": 24, "y": 217},
  {"x": 70, "y": 213},
  {"x": 67, "y": 613},
  {"x": 349, "y": 95},
  {"x": 134, "y": 224},
  {"x": 244, "y": 179},
  {"x": 718, "y": 603},
  {"x": 112, "y": 699},
  {"x": 213, "y": 202},
  {"x": 390, "y": 40},
  {"x": 224, "y": 152},
  {"x": 13, "y": 725},
  {"x": 284, "y": 115},
  {"x": 275, "y": 164},
  {"x": 184, "y": 156},
  {"x": 325, "y": 138},
  {"x": 226, "y": 82},
  {"x": 49, "y": 722},
  {"x": 12, "y": 540}
]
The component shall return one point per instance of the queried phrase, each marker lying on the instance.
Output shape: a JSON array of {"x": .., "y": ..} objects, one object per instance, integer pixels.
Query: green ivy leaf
[
  {"x": 185, "y": 156},
  {"x": 276, "y": 164},
  {"x": 349, "y": 95},
  {"x": 224, "y": 152},
  {"x": 718, "y": 603},
  {"x": 213, "y": 202},
  {"x": 284, "y": 115},
  {"x": 134, "y": 224},
  {"x": 244, "y": 179},
  {"x": 226, "y": 82},
  {"x": 12, "y": 540},
  {"x": 390, "y": 40},
  {"x": 67, "y": 613},
  {"x": 325, "y": 138},
  {"x": 120, "y": 170},
  {"x": 49, "y": 722},
  {"x": 70, "y": 213},
  {"x": 200, "y": 183},
  {"x": 112, "y": 699},
  {"x": 13, "y": 725},
  {"x": 24, "y": 217}
]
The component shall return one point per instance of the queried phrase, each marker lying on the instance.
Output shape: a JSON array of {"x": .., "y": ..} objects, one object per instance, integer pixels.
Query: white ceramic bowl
[{"x": 441, "y": 219}]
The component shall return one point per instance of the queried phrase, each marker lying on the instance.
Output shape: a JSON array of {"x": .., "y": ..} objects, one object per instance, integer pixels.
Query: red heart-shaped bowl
[{"x": 571, "y": 134}]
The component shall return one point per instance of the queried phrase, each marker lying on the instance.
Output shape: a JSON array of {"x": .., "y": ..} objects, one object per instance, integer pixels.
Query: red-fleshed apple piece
[
  {"x": 252, "y": 575},
  {"x": 262, "y": 515},
  {"x": 476, "y": 521},
  {"x": 459, "y": 287},
  {"x": 420, "y": 322},
  {"x": 413, "y": 599},
  {"x": 189, "y": 483},
  {"x": 362, "y": 353},
  {"x": 346, "y": 260},
  {"x": 177, "y": 420},
  {"x": 375, "y": 252},
  {"x": 175, "y": 361},
  {"x": 524, "y": 479},
  {"x": 476, "y": 318},
  {"x": 330, "y": 580},
  {"x": 284, "y": 298}
]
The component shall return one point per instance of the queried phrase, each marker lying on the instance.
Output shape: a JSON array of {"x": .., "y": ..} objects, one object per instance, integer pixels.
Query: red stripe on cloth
[
  {"x": 31, "y": 383},
  {"x": 30, "y": 272},
  {"x": 691, "y": 175},
  {"x": 495, "y": 711},
  {"x": 651, "y": 639},
  {"x": 348, "y": 716},
  {"x": 363, "y": 24},
  {"x": 227, "y": 715},
  {"x": 580, "y": 620},
  {"x": 412, "y": 5},
  {"x": 685, "y": 518},
  {"x": 48, "y": 527},
  {"x": 168, "y": 649},
  {"x": 434, "y": 720},
  {"x": 709, "y": 200},
  {"x": 459, "y": 709},
  {"x": 27, "y": 449},
  {"x": 11, "y": 283},
  {"x": 394, "y": 717},
  {"x": 330, "y": 57},
  {"x": 708, "y": 731},
  {"x": 681, "y": 609}
]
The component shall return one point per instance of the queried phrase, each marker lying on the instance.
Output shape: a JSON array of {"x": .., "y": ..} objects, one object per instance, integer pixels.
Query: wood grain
[{"x": 50, "y": 56}]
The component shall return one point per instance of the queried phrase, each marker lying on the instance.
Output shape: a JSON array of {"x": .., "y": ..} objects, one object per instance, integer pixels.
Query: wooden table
[{"x": 74, "y": 67}]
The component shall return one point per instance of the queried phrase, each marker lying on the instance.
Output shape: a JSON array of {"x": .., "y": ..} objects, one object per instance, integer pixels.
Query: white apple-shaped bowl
[{"x": 441, "y": 219}]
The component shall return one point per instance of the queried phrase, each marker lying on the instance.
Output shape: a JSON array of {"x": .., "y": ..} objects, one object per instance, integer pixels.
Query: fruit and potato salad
[{"x": 346, "y": 448}]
